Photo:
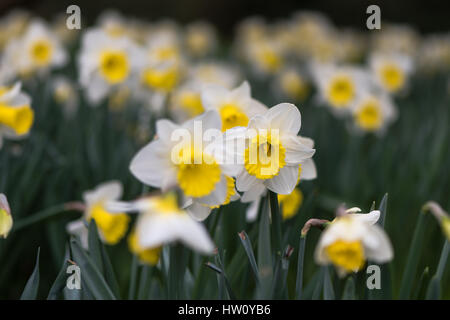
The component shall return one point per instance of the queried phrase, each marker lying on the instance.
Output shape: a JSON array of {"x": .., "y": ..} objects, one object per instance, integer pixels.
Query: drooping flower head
[
  {"x": 350, "y": 240},
  {"x": 6, "y": 221}
]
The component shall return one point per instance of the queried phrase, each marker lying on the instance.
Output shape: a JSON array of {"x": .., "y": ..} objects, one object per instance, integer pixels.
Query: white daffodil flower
[
  {"x": 307, "y": 171},
  {"x": 65, "y": 94},
  {"x": 181, "y": 156},
  {"x": 37, "y": 51},
  {"x": 339, "y": 86},
  {"x": 200, "y": 38},
  {"x": 6, "y": 220},
  {"x": 391, "y": 71},
  {"x": 349, "y": 240},
  {"x": 112, "y": 226},
  {"x": 106, "y": 62},
  {"x": 16, "y": 114},
  {"x": 235, "y": 106},
  {"x": 162, "y": 221},
  {"x": 273, "y": 152},
  {"x": 373, "y": 111},
  {"x": 214, "y": 72}
]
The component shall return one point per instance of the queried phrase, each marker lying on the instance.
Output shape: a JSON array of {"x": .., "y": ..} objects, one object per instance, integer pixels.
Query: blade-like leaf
[
  {"x": 301, "y": 257},
  {"x": 31, "y": 288},
  {"x": 349, "y": 289},
  {"x": 95, "y": 282},
  {"x": 383, "y": 210},
  {"x": 245, "y": 240},
  {"x": 60, "y": 282},
  {"x": 328, "y": 290},
  {"x": 95, "y": 252},
  {"x": 264, "y": 254}
]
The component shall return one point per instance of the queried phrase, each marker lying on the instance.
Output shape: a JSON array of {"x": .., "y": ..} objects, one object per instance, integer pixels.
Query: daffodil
[
  {"x": 213, "y": 72},
  {"x": 292, "y": 201},
  {"x": 112, "y": 226},
  {"x": 441, "y": 216},
  {"x": 107, "y": 62},
  {"x": 6, "y": 220},
  {"x": 146, "y": 255},
  {"x": 16, "y": 114},
  {"x": 180, "y": 157},
  {"x": 339, "y": 86},
  {"x": 373, "y": 111},
  {"x": 162, "y": 221},
  {"x": 65, "y": 94},
  {"x": 236, "y": 107},
  {"x": 36, "y": 51},
  {"x": 349, "y": 240},
  {"x": 391, "y": 71},
  {"x": 200, "y": 39},
  {"x": 292, "y": 84},
  {"x": 273, "y": 152}
]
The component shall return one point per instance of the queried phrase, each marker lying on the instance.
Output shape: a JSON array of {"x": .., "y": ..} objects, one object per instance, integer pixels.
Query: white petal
[
  {"x": 252, "y": 210},
  {"x": 377, "y": 245},
  {"x": 245, "y": 181},
  {"x": 195, "y": 236},
  {"x": 296, "y": 151},
  {"x": 258, "y": 191},
  {"x": 164, "y": 129},
  {"x": 4, "y": 203},
  {"x": 309, "y": 170},
  {"x": 111, "y": 190},
  {"x": 218, "y": 195},
  {"x": 371, "y": 217},
  {"x": 285, "y": 117},
  {"x": 213, "y": 96},
  {"x": 284, "y": 182},
  {"x": 198, "y": 212}
]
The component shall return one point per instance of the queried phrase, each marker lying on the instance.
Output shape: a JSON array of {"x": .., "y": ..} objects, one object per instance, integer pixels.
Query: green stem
[
  {"x": 40, "y": 216},
  {"x": 301, "y": 256},
  {"x": 276, "y": 222},
  {"x": 443, "y": 259},
  {"x": 133, "y": 278}
]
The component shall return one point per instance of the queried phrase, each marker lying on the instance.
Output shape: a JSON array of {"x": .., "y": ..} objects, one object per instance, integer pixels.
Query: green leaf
[
  {"x": 413, "y": 258},
  {"x": 31, "y": 288},
  {"x": 110, "y": 276},
  {"x": 61, "y": 279},
  {"x": 94, "y": 242},
  {"x": 276, "y": 222},
  {"x": 383, "y": 210},
  {"x": 301, "y": 258},
  {"x": 133, "y": 277},
  {"x": 328, "y": 290},
  {"x": 90, "y": 275},
  {"x": 38, "y": 217},
  {"x": 222, "y": 278},
  {"x": 280, "y": 277},
  {"x": 349, "y": 289},
  {"x": 434, "y": 288},
  {"x": 245, "y": 240}
]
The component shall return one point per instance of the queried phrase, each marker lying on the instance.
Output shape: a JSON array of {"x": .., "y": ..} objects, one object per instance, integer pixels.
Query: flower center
[
  {"x": 392, "y": 77},
  {"x": 197, "y": 174},
  {"x": 231, "y": 191},
  {"x": 348, "y": 255},
  {"x": 41, "y": 52},
  {"x": 264, "y": 157},
  {"x": 341, "y": 91},
  {"x": 294, "y": 86},
  {"x": 163, "y": 80},
  {"x": 192, "y": 103},
  {"x": 20, "y": 119},
  {"x": 114, "y": 66},
  {"x": 232, "y": 116},
  {"x": 149, "y": 256},
  {"x": 5, "y": 223},
  {"x": 369, "y": 116},
  {"x": 112, "y": 226}
]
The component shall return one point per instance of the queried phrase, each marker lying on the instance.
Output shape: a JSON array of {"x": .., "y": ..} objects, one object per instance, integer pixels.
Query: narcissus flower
[
  {"x": 162, "y": 221},
  {"x": 235, "y": 107},
  {"x": 37, "y": 50},
  {"x": 292, "y": 84},
  {"x": 290, "y": 202},
  {"x": 391, "y": 71},
  {"x": 339, "y": 86},
  {"x": 349, "y": 240},
  {"x": 146, "y": 255},
  {"x": 442, "y": 217},
  {"x": 16, "y": 115},
  {"x": 112, "y": 226},
  {"x": 106, "y": 62},
  {"x": 6, "y": 221},
  {"x": 273, "y": 151},
  {"x": 179, "y": 157},
  {"x": 65, "y": 94},
  {"x": 372, "y": 112},
  {"x": 200, "y": 38}
]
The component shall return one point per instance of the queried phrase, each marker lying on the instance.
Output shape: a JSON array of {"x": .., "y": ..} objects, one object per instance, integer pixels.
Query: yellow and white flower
[
  {"x": 6, "y": 220},
  {"x": 65, "y": 94},
  {"x": 236, "y": 107},
  {"x": 273, "y": 152},
  {"x": 112, "y": 226},
  {"x": 293, "y": 200},
  {"x": 372, "y": 112},
  {"x": 391, "y": 71},
  {"x": 37, "y": 51},
  {"x": 292, "y": 84},
  {"x": 200, "y": 38},
  {"x": 16, "y": 114},
  {"x": 181, "y": 156},
  {"x": 339, "y": 86},
  {"x": 106, "y": 62},
  {"x": 349, "y": 240},
  {"x": 162, "y": 221},
  {"x": 146, "y": 255},
  {"x": 214, "y": 72}
]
